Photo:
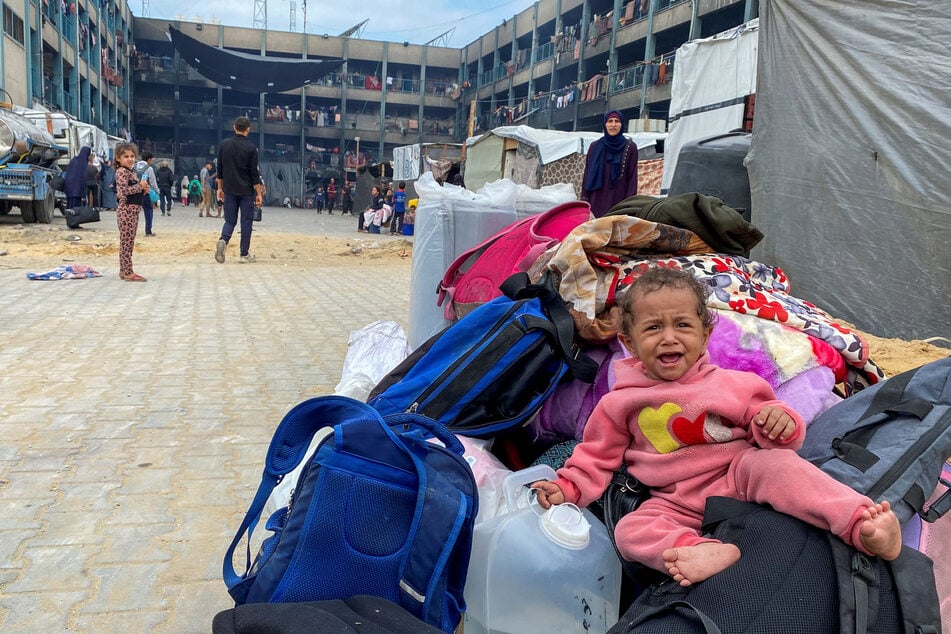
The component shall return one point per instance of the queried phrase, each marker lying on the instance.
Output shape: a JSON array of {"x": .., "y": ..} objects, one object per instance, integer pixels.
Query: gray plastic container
[{"x": 714, "y": 167}]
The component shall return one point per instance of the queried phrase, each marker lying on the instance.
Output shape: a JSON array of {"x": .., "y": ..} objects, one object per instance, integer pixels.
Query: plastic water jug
[{"x": 534, "y": 571}]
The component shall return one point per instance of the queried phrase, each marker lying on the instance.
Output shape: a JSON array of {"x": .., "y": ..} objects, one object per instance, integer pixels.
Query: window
[{"x": 13, "y": 25}]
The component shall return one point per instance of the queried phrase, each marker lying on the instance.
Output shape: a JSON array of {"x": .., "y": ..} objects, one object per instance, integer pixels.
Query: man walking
[
  {"x": 165, "y": 177},
  {"x": 240, "y": 188}
]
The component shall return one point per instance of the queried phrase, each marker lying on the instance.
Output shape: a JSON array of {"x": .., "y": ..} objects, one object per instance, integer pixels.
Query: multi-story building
[
  {"x": 559, "y": 64},
  {"x": 383, "y": 95},
  {"x": 70, "y": 56}
]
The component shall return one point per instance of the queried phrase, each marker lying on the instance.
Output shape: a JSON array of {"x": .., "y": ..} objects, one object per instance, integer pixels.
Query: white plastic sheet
[{"x": 451, "y": 220}]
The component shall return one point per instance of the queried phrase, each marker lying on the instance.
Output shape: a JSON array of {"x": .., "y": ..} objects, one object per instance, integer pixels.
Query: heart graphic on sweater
[
  {"x": 653, "y": 424},
  {"x": 689, "y": 432}
]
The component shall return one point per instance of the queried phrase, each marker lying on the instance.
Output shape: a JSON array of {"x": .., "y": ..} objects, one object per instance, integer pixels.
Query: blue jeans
[
  {"x": 234, "y": 204},
  {"x": 147, "y": 210}
]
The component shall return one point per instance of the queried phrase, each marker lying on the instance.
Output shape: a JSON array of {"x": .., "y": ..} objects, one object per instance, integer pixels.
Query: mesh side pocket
[{"x": 351, "y": 541}]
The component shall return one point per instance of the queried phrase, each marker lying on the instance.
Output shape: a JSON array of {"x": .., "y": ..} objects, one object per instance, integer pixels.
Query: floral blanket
[{"x": 601, "y": 258}]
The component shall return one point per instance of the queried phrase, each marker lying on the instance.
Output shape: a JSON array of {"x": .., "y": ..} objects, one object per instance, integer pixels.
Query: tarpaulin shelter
[
  {"x": 245, "y": 72},
  {"x": 537, "y": 157},
  {"x": 849, "y": 159},
  {"x": 412, "y": 161},
  {"x": 714, "y": 77}
]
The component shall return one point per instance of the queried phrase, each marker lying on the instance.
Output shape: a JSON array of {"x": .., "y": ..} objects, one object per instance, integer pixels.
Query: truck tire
[
  {"x": 43, "y": 209},
  {"x": 26, "y": 211}
]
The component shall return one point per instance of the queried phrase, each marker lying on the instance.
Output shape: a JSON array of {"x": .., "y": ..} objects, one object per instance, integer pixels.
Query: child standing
[
  {"x": 689, "y": 430},
  {"x": 183, "y": 190},
  {"x": 399, "y": 209},
  {"x": 130, "y": 192},
  {"x": 319, "y": 199}
]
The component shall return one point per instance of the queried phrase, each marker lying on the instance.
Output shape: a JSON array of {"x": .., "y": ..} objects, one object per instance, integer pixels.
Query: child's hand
[
  {"x": 776, "y": 423},
  {"x": 548, "y": 493}
]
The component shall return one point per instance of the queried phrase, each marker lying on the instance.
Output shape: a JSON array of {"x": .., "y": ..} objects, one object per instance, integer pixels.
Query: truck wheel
[
  {"x": 26, "y": 210},
  {"x": 43, "y": 209}
]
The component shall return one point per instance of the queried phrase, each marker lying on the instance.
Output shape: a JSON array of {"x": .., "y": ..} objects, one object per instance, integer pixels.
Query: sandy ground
[
  {"x": 37, "y": 248},
  {"x": 24, "y": 246}
]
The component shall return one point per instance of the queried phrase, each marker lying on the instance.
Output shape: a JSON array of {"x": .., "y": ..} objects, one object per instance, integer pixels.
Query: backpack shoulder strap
[
  {"x": 518, "y": 286},
  {"x": 860, "y": 584}
]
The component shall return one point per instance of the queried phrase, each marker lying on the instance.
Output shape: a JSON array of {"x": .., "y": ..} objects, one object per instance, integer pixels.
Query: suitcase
[{"x": 80, "y": 215}]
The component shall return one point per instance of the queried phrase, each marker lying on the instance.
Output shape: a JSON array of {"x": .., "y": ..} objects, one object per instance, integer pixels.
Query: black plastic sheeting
[{"x": 249, "y": 73}]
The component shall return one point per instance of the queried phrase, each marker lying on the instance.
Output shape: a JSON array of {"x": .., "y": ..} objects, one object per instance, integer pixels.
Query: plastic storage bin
[
  {"x": 714, "y": 167},
  {"x": 539, "y": 572}
]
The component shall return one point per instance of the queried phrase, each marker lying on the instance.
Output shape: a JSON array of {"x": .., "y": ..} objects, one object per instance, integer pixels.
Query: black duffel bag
[{"x": 76, "y": 216}]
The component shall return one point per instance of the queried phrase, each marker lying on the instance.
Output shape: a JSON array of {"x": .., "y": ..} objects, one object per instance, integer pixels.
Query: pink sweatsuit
[{"x": 693, "y": 438}]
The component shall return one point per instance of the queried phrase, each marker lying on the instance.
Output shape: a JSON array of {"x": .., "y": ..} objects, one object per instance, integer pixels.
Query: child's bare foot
[
  {"x": 693, "y": 564},
  {"x": 880, "y": 531}
]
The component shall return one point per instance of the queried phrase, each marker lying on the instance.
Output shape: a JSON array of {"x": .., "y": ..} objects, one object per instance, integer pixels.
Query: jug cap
[{"x": 566, "y": 526}]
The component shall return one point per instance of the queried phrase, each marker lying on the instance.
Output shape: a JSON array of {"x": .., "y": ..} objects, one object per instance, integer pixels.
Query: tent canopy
[
  {"x": 849, "y": 159},
  {"x": 249, "y": 73}
]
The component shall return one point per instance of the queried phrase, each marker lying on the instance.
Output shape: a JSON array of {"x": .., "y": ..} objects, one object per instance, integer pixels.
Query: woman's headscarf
[
  {"x": 608, "y": 149},
  {"x": 74, "y": 182}
]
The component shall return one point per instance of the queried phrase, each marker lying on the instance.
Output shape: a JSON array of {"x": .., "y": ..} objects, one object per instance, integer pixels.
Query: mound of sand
[
  {"x": 42, "y": 247},
  {"x": 31, "y": 245}
]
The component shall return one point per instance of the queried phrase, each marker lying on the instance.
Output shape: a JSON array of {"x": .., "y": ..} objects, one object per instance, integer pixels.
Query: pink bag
[
  {"x": 474, "y": 277},
  {"x": 934, "y": 540}
]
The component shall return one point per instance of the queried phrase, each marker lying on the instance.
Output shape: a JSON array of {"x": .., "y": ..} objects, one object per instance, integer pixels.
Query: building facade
[
  {"x": 559, "y": 64},
  {"x": 72, "y": 57}
]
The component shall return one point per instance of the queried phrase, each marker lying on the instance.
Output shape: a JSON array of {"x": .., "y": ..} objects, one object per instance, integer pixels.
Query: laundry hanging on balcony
[{"x": 249, "y": 73}]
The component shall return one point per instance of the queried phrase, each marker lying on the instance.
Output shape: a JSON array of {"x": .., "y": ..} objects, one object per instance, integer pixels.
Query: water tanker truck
[{"x": 28, "y": 160}]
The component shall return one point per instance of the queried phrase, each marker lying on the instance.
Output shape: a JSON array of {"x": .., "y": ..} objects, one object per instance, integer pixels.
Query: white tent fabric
[
  {"x": 713, "y": 76},
  {"x": 553, "y": 145},
  {"x": 406, "y": 161},
  {"x": 850, "y": 161}
]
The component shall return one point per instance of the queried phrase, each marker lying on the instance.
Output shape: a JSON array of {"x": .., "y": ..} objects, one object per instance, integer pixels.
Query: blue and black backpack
[{"x": 494, "y": 368}]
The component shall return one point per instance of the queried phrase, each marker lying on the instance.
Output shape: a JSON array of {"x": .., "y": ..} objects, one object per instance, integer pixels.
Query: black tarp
[{"x": 249, "y": 73}]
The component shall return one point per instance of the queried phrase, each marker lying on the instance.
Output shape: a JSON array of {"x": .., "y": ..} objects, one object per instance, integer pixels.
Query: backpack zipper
[
  {"x": 909, "y": 457},
  {"x": 438, "y": 383}
]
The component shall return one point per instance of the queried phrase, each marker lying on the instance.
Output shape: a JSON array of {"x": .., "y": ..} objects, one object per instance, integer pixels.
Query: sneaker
[
  {"x": 220, "y": 251},
  {"x": 247, "y": 259}
]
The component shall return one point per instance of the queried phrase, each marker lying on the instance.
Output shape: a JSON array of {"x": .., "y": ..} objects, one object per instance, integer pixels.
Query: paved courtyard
[{"x": 134, "y": 420}]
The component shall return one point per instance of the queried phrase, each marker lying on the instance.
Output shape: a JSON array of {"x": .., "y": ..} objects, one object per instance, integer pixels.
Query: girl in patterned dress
[{"x": 129, "y": 190}]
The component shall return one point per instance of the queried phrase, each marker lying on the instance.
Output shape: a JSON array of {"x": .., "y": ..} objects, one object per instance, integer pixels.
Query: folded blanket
[
  {"x": 71, "y": 272},
  {"x": 716, "y": 223},
  {"x": 602, "y": 257}
]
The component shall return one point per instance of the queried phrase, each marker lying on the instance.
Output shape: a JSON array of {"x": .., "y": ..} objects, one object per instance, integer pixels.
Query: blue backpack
[
  {"x": 494, "y": 368},
  {"x": 890, "y": 441},
  {"x": 378, "y": 510}
]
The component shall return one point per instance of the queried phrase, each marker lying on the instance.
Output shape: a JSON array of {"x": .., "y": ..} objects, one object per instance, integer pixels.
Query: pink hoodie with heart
[{"x": 670, "y": 432}]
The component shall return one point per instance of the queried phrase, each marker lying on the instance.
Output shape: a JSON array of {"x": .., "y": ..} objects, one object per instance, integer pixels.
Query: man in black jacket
[
  {"x": 165, "y": 177},
  {"x": 240, "y": 188}
]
